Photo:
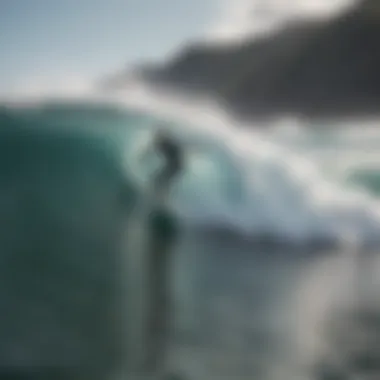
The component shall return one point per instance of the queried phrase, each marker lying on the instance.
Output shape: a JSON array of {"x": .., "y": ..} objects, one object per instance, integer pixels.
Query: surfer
[
  {"x": 171, "y": 151},
  {"x": 163, "y": 233}
]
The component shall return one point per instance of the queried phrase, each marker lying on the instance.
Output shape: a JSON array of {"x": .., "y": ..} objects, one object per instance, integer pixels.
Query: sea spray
[{"x": 275, "y": 190}]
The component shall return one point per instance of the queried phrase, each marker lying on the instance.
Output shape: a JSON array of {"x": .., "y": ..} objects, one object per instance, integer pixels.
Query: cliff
[{"x": 313, "y": 69}]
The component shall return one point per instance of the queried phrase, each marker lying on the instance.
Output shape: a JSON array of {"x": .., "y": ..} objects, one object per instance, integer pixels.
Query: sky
[
  {"x": 69, "y": 42},
  {"x": 43, "y": 39}
]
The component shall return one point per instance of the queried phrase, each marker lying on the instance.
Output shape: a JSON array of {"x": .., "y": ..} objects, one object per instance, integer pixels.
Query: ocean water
[{"x": 245, "y": 309}]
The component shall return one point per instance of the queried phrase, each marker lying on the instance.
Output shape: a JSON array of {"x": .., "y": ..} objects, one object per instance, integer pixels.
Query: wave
[
  {"x": 290, "y": 179},
  {"x": 294, "y": 176},
  {"x": 286, "y": 182}
]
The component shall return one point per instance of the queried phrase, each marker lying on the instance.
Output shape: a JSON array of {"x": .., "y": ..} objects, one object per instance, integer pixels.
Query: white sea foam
[
  {"x": 289, "y": 179},
  {"x": 286, "y": 172}
]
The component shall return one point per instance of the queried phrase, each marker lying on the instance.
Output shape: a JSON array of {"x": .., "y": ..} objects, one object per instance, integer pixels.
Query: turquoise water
[
  {"x": 293, "y": 184},
  {"x": 243, "y": 311}
]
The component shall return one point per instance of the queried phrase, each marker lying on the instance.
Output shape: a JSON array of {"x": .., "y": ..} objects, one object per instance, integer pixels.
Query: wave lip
[{"x": 285, "y": 195}]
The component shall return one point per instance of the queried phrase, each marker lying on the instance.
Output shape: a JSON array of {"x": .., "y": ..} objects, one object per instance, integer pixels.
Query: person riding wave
[
  {"x": 163, "y": 231},
  {"x": 172, "y": 153}
]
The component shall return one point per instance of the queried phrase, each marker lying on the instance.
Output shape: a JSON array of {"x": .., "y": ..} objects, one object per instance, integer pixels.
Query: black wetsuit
[
  {"x": 172, "y": 154},
  {"x": 163, "y": 234}
]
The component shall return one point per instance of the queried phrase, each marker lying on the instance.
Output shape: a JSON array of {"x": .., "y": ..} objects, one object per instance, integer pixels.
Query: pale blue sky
[{"x": 91, "y": 37}]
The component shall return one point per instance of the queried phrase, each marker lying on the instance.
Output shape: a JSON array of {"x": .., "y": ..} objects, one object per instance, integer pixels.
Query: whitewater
[
  {"x": 299, "y": 183},
  {"x": 291, "y": 179}
]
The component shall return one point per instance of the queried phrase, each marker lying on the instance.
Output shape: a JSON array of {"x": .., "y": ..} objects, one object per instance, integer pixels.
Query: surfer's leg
[
  {"x": 157, "y": 336},
  {"x": 163, "y": 230},
  {"x": 158, "y": 313}
]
